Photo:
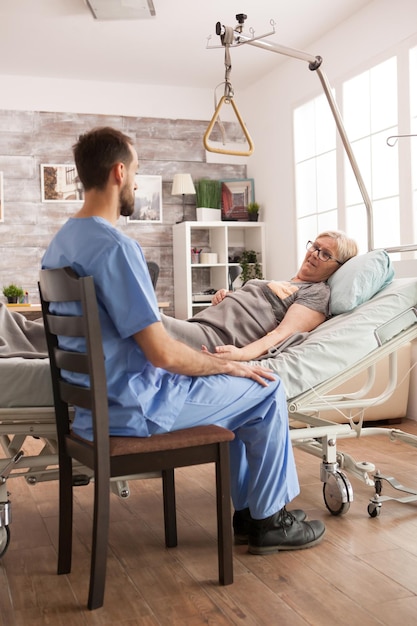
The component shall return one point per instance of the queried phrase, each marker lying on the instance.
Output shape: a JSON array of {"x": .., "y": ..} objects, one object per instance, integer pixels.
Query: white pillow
[{"x": 357, "y": 280}]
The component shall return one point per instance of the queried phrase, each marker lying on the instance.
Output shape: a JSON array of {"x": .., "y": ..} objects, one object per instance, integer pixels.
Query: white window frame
[{"x": 408, "y": 224}]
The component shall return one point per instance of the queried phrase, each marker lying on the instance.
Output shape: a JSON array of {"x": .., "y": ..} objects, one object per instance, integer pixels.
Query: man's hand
[{"x": 256, "y": 372}]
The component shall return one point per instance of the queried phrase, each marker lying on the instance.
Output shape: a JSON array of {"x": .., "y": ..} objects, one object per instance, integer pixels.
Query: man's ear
[{"x": 119, "y": 172}]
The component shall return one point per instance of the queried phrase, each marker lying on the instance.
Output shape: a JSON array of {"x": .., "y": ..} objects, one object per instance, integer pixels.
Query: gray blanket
[{"x": 20, "y": 337}]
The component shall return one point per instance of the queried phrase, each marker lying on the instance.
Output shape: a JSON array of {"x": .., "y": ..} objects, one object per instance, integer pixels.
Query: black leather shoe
[
  {"x": 242, "y": 521},
  {"x": 283, "y": 531}
]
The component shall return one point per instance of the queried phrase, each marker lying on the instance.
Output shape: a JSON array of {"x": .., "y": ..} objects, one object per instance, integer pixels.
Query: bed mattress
[
  {"x": 25, "y": 382},
  {"x": 342, "y": 341}
]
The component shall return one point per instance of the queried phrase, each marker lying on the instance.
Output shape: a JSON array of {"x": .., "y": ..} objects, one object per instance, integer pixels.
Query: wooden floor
[{"x": 364, "y": 572}]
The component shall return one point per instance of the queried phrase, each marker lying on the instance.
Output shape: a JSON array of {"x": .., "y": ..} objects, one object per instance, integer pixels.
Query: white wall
[{"x": 27, "y": 93}]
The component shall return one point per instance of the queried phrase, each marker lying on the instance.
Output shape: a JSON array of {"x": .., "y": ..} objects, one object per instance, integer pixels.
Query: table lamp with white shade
[{"x": 182, "y": 184}]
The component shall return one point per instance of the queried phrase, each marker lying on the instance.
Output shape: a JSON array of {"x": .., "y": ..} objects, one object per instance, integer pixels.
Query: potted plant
[
  {"x": 253, "y": 211},
  {"x": 250, "y": 266},
  {"x": 208, "y": 194},
  {"x": 13, "y": 293}
]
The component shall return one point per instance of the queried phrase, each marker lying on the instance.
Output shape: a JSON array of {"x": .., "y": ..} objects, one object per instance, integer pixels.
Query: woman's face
[{"x": 315, "y": 270}]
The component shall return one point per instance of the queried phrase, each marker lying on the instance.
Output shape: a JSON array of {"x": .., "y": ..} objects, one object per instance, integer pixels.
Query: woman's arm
[
  {"x": 298, "y": 318},
  {"x": 176, "y": 357}
]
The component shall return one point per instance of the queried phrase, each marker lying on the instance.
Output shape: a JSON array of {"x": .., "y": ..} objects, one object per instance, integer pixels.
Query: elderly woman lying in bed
[{"x": 244, "y": 324}]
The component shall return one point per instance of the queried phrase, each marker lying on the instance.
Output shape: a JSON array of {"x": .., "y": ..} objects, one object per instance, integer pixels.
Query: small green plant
[
  {"x": 13, "y": 293},
  {"x": 253, "y": 208},
  {"x": 253, "y": 211},
  {"x": 208, "y": 193},
  {"x": 250, "y": 266}
]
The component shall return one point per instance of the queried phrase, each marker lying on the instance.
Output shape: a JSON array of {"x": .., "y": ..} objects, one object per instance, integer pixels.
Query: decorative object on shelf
[
  {"x": 13, "y": 293},
  {"x": 236, "y": 195},
  {"x": 148, "y": 199},
  {"x": 60, "y": 183},
  {"x": 182, "y": 184},
  {"x": 208, "y": 258},
  {"x": 208, "y": 200},
  {"x": 195, "y": 255},
  {"x": 253, "y": 211},
  {"x": 250, "y": 266}
]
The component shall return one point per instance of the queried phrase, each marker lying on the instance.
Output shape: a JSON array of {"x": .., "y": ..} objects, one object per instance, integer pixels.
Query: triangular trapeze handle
[{"x": 227, "y": 100}]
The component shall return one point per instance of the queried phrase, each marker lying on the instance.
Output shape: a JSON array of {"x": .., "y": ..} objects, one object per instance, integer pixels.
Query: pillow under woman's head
[{"x": 357, "y": 280}]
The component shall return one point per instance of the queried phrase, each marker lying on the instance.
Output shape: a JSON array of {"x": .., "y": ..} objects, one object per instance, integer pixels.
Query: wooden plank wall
[{"x": 30, "y": 138}]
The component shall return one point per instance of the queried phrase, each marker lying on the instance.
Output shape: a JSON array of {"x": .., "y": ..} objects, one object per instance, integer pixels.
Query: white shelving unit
[{"x": 227, "y": 240}]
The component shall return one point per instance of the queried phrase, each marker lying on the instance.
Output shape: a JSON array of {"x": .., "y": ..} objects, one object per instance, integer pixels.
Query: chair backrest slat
[
  {"x": 72, "y": 361},
  {"x": 76, "y": 395},
  {"x": 66, "y": 325}
]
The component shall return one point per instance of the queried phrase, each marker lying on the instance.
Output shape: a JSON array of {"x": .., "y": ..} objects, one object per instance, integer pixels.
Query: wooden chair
[{"x": 109, "y": 456}]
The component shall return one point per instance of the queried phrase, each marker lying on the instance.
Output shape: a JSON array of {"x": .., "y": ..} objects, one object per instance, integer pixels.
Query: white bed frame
[{"x": 319, "y": 436}]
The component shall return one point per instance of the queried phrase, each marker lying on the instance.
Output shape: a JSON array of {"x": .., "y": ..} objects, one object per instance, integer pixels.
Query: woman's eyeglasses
[{"x": 322, "y": 254}]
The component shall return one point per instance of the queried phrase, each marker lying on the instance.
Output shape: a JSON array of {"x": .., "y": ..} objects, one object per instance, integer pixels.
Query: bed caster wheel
[
  {"x": 336, "y": 493},
  {"x": 374, "y": 510},
  {"x": 4, "y": 539}
]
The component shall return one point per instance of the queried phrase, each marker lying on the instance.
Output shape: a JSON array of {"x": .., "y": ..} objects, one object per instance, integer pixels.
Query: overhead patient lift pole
[{"x": 314, "y": 64}]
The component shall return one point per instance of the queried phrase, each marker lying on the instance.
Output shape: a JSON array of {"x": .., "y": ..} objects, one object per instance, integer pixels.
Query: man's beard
[{"x": 127, "y": 202}]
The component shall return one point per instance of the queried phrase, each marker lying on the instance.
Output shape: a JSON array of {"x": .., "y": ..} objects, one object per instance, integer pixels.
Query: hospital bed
[{"x": 326, "y": 358}]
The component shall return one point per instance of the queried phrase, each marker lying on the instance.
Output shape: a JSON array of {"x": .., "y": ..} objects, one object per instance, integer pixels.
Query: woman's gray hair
[{"x": 346, "y": 247}]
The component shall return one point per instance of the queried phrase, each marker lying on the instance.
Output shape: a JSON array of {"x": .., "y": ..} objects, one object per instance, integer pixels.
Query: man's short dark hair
[{"x": 97, "y": 151}]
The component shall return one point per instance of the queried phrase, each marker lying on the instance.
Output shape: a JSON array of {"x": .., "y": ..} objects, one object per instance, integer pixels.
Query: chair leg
[
  {"x": 224, "y": 520},
  {"x": 170, "y": 509},
  {"x": 99, "y": 543},
  {"x": 65, "y": 515}
]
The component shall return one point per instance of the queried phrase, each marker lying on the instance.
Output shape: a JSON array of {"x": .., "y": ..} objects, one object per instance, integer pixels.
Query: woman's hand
[
  {"x": 228, "y": 352},
  {"x": 258, "y": 373},
  {"x": 219, "y": 296}
]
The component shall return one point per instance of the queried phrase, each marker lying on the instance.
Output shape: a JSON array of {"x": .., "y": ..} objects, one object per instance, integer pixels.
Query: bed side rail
[
  {"x": 397, "y": 325},
  {"x": 402, "y": 330}
]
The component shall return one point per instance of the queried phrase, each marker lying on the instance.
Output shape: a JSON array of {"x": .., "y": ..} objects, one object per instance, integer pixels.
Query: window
[
  {"x": 370, "y": 115},
  {"x": 315, "y": 170},
  {"x": 327, "y": 194}
]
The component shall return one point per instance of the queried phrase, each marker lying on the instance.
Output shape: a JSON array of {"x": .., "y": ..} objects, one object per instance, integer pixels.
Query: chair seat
[
  {"x": 186, "y": 438},
  {"x": 174, "y": 440}
]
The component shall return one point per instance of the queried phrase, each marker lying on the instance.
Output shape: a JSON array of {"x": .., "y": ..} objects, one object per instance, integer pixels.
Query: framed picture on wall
[
  {"x": 236, "y": 195},
  {"x": 1, "y": 198},
  {"x": 148, "y": 199},
  {"x": 60, "y": 183}
]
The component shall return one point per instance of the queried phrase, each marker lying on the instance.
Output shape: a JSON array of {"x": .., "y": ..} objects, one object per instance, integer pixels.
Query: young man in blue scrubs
[{"x": 158, "y": 384}]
